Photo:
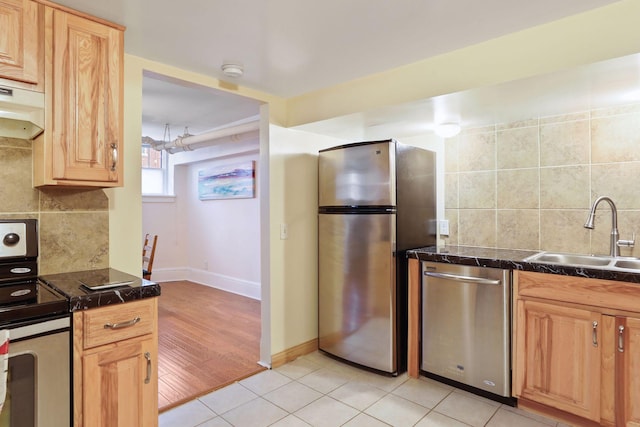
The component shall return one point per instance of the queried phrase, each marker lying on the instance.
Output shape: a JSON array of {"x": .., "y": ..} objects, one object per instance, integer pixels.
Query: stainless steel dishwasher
[{"x": 466, "y": 331}]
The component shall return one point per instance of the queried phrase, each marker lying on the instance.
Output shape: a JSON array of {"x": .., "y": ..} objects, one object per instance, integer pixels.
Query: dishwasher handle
[{"x": 466, "y": 279}]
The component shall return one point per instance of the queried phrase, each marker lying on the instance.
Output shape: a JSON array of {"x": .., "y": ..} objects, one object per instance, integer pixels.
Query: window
[
  {"x": 151, "y": 159},
  {"x": 154, "y": 171}
]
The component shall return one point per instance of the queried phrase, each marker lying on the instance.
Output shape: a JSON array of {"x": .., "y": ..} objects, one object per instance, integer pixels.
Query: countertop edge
[
  {"x": 513, "y": 260},
  {"x": 81, "y": 299}
]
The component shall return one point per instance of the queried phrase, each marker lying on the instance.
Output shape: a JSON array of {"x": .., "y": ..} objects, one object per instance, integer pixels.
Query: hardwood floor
[{"x": 208, "y": 338}]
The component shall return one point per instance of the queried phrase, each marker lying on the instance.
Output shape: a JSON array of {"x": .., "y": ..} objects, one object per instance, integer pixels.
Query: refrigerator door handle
[{"x": 467, "y": 279}]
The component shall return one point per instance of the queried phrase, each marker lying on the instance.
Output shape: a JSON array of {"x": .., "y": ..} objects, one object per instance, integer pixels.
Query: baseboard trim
[
  {"x": 219, "y": 281},
  {"x": 293, "y": 353}
]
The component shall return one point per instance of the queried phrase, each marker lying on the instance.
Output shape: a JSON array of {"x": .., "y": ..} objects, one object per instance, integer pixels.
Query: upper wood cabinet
[
  {"x": 21, "y": 43},
  {"x": 82, "y": 142}
]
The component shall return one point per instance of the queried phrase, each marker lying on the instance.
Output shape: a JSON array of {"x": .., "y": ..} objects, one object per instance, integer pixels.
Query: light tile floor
[{"x": 315, "y": 390}]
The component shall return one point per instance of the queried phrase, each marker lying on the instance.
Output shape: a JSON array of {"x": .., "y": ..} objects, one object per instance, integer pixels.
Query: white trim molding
[{"x": 219, "y": 281}]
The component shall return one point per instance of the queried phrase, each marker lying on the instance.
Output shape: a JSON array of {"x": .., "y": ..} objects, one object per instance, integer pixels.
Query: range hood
[{"x": 21, "y": 113}]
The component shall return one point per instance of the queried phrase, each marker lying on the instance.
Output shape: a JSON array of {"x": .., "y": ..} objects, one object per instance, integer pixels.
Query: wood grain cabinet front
[
  {"x": 558, "y": 348},
  {"x": 21, "y": 43},
  {"x": 116, "y": 379},
  {"x": 577, "y": 347},
  {"x": 82, "y": 143}
]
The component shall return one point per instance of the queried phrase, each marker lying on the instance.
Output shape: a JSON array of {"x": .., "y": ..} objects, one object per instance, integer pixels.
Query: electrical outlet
[
  {"x": 206, "y": 265},
  {"x": 444, "y": 227},
  {"x": 284, "y": 233}
]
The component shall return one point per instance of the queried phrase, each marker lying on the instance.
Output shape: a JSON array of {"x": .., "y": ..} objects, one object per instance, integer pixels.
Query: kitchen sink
[
  {"x": 627, "y": 263},
  {"x": 570, "y": 259},
  {"x": 590, "y": 261}
]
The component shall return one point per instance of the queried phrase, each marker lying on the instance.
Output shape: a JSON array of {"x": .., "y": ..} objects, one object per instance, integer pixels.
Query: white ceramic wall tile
[
  {"x": 577, "y": 157},
  {"x": 518, "y": 148}
]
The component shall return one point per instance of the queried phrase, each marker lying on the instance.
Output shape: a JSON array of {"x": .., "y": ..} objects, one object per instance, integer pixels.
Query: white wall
[{"x": 213, "y": 242}]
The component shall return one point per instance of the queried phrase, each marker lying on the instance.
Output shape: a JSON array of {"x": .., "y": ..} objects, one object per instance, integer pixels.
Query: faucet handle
[{"x": 627, "y": 243}]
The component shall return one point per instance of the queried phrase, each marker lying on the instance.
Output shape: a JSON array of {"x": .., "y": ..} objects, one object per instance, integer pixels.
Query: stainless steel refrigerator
[{"x": 376, "y": 200}]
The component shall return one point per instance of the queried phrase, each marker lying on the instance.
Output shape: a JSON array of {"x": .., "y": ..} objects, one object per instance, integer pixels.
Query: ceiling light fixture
[
  {"x": 447, "y": 130},
  {"x": 232, "y": 70}
]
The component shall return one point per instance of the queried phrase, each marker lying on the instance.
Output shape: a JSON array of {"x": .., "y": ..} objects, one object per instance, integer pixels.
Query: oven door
[{"x": 38, "y": 377}]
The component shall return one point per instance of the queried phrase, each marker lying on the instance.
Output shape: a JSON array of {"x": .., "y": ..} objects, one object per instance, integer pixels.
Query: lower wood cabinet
[
  {"x": 115, "y": 365},
  {"x": 627, "y": 371},
  {"x": 577, "y": 347},
  {"x": 560, "y": 353}
]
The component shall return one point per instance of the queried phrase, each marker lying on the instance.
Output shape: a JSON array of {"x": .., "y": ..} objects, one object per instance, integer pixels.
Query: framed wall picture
[{"x": 232, "y": 181}]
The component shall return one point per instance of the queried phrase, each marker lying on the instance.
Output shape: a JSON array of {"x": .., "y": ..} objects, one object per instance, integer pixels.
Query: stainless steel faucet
[{"x": 615, "y": 243}]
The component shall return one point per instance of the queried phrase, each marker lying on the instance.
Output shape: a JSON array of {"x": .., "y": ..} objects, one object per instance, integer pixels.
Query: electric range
[{"x": 23, "y": 298}]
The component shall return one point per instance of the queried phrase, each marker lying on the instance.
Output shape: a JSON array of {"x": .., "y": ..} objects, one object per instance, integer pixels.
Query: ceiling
[{"x": 291, "y": 47}]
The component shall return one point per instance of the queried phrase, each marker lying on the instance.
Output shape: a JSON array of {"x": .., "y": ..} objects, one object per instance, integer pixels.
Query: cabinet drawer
[{"x": 118, "y": 322}]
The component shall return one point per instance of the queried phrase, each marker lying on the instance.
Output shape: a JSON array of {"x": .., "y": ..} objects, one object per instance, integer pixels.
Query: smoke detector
[{"x": 232, "y": 70}]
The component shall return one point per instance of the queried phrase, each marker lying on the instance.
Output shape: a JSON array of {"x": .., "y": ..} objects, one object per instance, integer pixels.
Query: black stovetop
[{"x": 29, "y": 300}]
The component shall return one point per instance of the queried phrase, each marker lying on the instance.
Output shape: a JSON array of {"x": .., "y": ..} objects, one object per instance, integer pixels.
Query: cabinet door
[
  {"x": 558, "y": 357},
  {"x": 120, "y": 385},
  {"x": 627, "y": 340},
  {"x": 20, "y": 47},
  {"x": 87, "y": 96}
]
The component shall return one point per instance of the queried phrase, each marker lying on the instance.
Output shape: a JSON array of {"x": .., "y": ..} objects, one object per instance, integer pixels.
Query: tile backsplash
[
  {"x": 73, "y": 223},
  {"x": 530, "y": 184}
]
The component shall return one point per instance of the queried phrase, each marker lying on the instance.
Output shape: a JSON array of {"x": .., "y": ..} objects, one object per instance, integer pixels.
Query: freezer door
[
  {"x": 358, "y": 175},
  {"x": 357, "y": 292}
]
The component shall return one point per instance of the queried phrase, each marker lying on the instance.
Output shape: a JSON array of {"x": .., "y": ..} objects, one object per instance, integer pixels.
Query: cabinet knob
[{"x": 594, "y": 336}]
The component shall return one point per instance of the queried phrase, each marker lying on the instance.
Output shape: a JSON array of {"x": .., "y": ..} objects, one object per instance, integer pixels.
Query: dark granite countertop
[
  {"x": 72, "y": 285},
  {"x": 514, "y": 260}
]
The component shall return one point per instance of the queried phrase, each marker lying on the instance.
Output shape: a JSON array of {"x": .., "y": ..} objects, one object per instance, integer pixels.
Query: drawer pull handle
[
  {"x": 595, "y": 334},
  {"x": 147, "y": 356},
  {"x": 621, "y": 339},
  {"x": 122, "y": 325}
]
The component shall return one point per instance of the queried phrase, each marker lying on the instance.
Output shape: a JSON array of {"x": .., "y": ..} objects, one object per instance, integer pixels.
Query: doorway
[{"x": 207, "y": 246}]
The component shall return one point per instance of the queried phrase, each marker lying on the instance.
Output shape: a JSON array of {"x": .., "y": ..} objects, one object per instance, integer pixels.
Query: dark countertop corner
[{"x": 82, "y": 298}]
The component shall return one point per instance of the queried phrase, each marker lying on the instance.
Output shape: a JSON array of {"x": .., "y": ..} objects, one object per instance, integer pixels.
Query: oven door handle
[
  {"x": 466, "y": 279},
  {"x": 39, "y": 328}
]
